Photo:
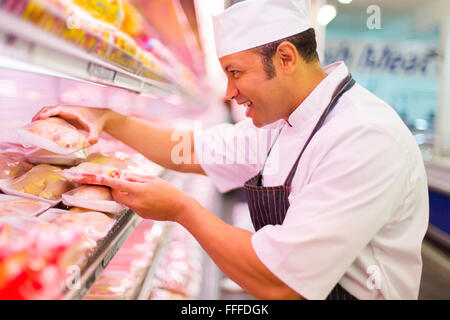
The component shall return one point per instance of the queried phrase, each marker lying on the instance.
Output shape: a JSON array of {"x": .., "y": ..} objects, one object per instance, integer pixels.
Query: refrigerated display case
[{"x": 55, "y": 52}]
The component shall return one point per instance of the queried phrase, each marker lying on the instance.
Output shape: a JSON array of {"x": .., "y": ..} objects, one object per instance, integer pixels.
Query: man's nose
[{"x": 232, "y": 91}]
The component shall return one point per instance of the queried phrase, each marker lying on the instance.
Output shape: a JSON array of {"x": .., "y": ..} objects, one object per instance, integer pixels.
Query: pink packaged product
[
  {"x": 90, "y": 173},
  {"x": 11, "y": 147},
  {"x": 164, "y": 294},
  {"x": 132, "y": 161},
  {"x": 96, "y": 198},
  {"x": 114, "y": 285},
  {"x": 13, "y": 165},
  {"x": 127, "y": 269},
  {"x": 52, "y": 134},
  {"x": 23, "y": 207},
  {"x": 42, "y": 156},
  {"x": 95, "y": 225},
  {"x": 180, "y": 270},
  {"x": 34, "y": 257}
]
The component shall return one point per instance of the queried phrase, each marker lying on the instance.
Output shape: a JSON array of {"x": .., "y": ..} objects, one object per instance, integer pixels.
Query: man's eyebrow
[{"x": 227, "y": 68}]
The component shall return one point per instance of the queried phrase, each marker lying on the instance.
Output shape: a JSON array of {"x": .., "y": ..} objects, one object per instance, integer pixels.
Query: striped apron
[{"x": 268, "y": 205}]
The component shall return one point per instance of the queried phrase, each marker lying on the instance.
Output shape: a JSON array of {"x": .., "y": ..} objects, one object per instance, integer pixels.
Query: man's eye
[{"x": 234, "y": 73}]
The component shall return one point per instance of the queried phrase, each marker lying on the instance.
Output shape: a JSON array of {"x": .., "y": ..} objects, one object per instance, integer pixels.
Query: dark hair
[{"x": 306, "y": 45}]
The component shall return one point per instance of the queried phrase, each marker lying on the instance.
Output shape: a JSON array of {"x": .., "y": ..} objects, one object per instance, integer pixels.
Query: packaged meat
[
  {"x": 90, "y": 173},
  {"x": 109, "y": 160},
  {"x": 12, "y": 205},
  {"x": 113, "y": 285},
  {"x": 98, "y": 198},
  {"x": 13, "y": 165},
  {"x": 52, "y": 134},
  {"x": 43, "y": 182},
  {"x": 135, "y": 163},
  {"x": 34, "y": 257},
  {"x": 10, "y": 147},
  {"x": 163, "y": 294},
  {"x": 42, "y": 156},
  {"x": 95, "y": 225},
  {"x": 78, "y": 209}
]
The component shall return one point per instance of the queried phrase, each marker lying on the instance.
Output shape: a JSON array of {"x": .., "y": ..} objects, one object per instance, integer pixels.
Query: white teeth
[{"x": 247, "y": 103}]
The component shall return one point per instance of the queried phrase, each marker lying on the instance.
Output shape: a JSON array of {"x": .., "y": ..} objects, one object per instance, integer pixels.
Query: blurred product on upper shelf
[
  {"x": 98, "y": 198},
  {"x": 12, "y": 205},
  {"x": 35, "y": 257},
  {"x": 133, "y": 22},
  {"x": 111, "y": 11},
  {"x": 43, "y": 181},
  {"x": 13, "y": 165},
  {"x": 111, "y": 29},
  {"x": 53, "y": 134}
]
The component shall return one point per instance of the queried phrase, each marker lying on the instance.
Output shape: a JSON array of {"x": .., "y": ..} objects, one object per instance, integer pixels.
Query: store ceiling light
[
  {"x": 326, "y": 14},
  {"x": 345, "y": 1}
]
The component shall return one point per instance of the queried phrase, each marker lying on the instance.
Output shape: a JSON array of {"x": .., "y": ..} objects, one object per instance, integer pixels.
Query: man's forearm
[
  {"x": 155, "y": 142},
  {"x": 231, "y": 249}
]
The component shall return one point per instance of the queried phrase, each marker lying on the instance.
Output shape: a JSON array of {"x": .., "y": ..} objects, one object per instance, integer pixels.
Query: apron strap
[
  {"x": 343, "y": 87},
  {"x": 260, "y": 174}
]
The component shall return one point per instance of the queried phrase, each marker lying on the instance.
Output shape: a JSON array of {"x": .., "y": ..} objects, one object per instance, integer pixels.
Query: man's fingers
[
  {"x": 120, "y": 184},
  {"x": 134, "y": 177},
  {"x": 121, "y": 197},
  {"x": 41, "y": 114},
  {"x": 92, "y": 138}
]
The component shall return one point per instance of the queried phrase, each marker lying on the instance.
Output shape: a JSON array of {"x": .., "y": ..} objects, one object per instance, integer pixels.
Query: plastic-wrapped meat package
[
  {"x": 42, "y": 156},
  {"x": 52, "y": 134},
  {"x": 114, "y": 285},
  {"x": 97, "y": 198},
  {"x": 90, "y": 173},
  {"x": 42, "y": 181},
  {"x": 95, "y": 225},
  {"x": 174, "y": 276},
  {"x": 13, "y": 165},
  {"x": 180, "y": 270},
  {"x": 135, "y": 163},
  {"x": 105, "y": 149},
  {"x": 11, "y": 147},
  {"x": 163, "y": 294},
  {"x": 17, "y": 206},
  {"x": 109, "y": 160},
  {"x": 34, "y": 258},
  {"x": 132, "y": 261}
]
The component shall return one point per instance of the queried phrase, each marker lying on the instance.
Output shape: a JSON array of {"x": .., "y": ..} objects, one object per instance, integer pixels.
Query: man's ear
[{"x": 287, "y": 57}]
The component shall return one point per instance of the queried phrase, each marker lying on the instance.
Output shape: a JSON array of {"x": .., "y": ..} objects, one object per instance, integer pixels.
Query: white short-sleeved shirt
[{"x": 359, "y": 201}]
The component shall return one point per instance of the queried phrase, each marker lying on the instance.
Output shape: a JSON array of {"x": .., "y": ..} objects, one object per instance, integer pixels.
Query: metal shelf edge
[{"x": 103, "y": 255}]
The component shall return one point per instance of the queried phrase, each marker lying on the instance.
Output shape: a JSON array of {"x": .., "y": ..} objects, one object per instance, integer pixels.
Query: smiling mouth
[{"x": 249, "y": 106}]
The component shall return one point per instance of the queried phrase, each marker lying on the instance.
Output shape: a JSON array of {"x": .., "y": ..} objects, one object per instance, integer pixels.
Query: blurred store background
[{"x": 156, "y": 59}]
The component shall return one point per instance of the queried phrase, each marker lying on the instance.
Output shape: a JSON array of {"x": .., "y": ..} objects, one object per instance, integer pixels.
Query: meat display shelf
[
  {"x": 79, "y": 284},
  {"x": 148, "y": 283},
  {"x": 20, "y": 39},
  {"x": 76, "y": 286}
]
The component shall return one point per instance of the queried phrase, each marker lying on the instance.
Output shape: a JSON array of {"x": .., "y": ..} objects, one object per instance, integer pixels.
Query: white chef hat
[{"x": 252, "y": 23}]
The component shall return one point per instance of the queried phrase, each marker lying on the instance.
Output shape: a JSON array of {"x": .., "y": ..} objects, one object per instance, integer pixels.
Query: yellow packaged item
[
  {"x": 43, "y": 181},
  {"x": 110, "y": 11},
  {"x": 133, "y": 21}
]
